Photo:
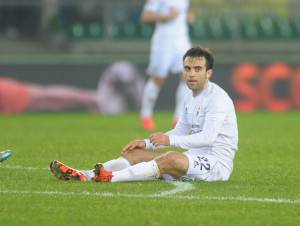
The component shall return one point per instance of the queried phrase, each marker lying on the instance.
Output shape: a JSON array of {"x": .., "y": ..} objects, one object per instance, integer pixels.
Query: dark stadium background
[{"x": 71, "y": 42}]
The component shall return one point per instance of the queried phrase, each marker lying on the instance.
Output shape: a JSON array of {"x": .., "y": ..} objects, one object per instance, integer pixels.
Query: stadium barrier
[
  {"x": 273, "y": 87},
  {"x": 120, "y": 19}
]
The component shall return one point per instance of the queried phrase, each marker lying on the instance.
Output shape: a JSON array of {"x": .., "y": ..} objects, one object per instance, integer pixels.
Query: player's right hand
[
  {"x": 173, "y": 13},
  {"x": 135, "y": 144}
]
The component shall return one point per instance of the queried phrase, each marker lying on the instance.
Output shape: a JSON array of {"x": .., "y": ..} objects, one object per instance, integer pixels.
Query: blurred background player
[
  {"x": 169, "y": 43},
  {"x": 119, "y": 89},
  {"x": 19, "y": 97}
]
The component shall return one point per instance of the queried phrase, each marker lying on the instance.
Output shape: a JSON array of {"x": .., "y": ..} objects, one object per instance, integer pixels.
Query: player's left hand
[
  {"x": 158, "y": 139},
  {"x": 135, "y": 144}
]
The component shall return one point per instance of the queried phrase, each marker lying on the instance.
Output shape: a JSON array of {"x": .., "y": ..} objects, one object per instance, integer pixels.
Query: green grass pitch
[{"x": 263, "y": 189}]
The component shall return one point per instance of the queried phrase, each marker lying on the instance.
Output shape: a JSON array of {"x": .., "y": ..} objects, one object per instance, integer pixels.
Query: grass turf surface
[{"x": 266, "y": 166}]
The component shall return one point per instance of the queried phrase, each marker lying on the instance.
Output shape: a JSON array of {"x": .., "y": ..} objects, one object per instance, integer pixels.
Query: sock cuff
[
  {"x": 116, "y": 164},
  {"x": 155, "y": 168}
]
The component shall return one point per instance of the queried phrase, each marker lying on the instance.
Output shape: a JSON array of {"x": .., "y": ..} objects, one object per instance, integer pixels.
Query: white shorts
[
  {"x": 205, "y": 167},
  {"x": 166, "y": 57}
]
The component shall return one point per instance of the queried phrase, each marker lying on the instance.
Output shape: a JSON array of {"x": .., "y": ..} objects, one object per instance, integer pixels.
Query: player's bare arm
[
  {"x": 158, "y": 139},
  {"x": 135, "y": 144},
  {"x": 152, "y": 17}
]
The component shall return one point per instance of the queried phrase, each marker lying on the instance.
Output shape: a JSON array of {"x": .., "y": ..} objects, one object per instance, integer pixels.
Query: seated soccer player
[{"x": 207, "y": 128}]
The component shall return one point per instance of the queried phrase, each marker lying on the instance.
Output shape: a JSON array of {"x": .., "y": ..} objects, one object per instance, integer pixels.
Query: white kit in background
[{"x": 171, "y": 39}]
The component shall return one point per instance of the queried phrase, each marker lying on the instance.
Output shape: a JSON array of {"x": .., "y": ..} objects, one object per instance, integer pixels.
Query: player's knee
[
  {"x": 132, "y": 156},
  {"x": 171, "y": 156},
  {"x": 173, "y": 163},
  {"x": 166, "y": 161}
]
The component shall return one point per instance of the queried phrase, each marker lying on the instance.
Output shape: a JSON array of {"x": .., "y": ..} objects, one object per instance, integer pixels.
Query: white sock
[
  {"x": 112, "y": 165},
  {"x": 150, "y": 95},
  {"x": 181, "y": 92},
  {"x": 139, "y": 172},
  {"x": 116, "y": 164},
  {"x": 90, "y": 174}
]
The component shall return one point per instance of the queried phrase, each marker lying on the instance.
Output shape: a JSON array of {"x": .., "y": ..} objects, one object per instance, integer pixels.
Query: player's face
[{"x": 195, "y": 73}]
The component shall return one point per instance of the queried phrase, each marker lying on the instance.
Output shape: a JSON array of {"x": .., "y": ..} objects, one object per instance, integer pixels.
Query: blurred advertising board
[{"x": 272, "y": 87}]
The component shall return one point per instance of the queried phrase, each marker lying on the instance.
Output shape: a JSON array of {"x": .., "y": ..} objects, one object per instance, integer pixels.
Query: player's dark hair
[{"x": 201, "y": 52}]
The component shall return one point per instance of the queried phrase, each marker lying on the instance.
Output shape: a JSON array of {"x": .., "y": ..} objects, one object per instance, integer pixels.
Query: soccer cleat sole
[{"x": 4, "y": 155}]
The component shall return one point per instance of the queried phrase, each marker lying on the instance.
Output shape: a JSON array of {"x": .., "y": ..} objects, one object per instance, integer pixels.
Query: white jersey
[
  {"x": 176, "y": 28},
  {"x": 207, "y": 126},
  {"x": 170, "y": 40}
]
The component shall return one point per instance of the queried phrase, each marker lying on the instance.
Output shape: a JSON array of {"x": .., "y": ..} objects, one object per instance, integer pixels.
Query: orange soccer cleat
[
  {"x": 148, "y": 123},
  {"x": 64, "y": 172},
  {"x": 102, "y": 175}
]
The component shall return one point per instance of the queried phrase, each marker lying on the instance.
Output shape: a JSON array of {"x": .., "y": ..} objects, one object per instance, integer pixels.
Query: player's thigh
[
  {"x": 178, "y": 53},
  {"x": 206, "y": 168},
  {"x": 140, "y": 155},
  {"x": 173, "y": 163},
  {"x": 160, "y": 61}
]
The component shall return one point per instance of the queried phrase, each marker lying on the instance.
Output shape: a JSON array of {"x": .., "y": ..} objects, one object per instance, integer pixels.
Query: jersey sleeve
[
  {"x": 214, "y": 119},
  {"x": 149, "y": 145},
  {"x": 180, "y": 129}
]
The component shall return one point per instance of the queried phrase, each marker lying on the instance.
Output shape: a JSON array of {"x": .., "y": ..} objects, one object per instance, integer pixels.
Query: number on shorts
[{"x": 202, "y": 163}]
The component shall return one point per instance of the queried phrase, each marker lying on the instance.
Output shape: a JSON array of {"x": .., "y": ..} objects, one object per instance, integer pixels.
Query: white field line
[
  {"x": 170, "y": 194},
  {"x": 153, "y": 196},
  {"x": 179, "y": 186},
  {"x": 21, "y": 167}
]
